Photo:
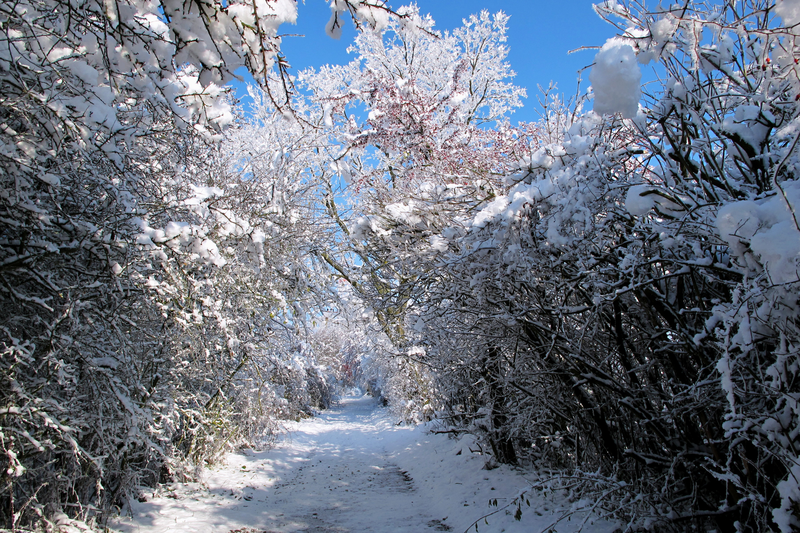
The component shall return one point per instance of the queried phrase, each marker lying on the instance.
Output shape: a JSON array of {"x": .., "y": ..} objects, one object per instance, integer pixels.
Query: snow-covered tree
[
  {"x": 418, "y": 100},
  {"x": 408, "y": 120},
  {"x": 420, "y": 120},
  {"x": 126, "y": 269}
]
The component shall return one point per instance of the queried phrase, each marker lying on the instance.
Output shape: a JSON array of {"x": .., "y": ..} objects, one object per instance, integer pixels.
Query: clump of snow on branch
[
  {"x": 616, "y": 79},
  {"x": 375, "y": 14},
  {"x": 789, "y": 11},
  {"x": 768, "y": 229}
]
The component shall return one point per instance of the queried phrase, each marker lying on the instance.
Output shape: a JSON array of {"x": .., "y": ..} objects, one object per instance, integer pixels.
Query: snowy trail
[{"x": 348, "y": 470}]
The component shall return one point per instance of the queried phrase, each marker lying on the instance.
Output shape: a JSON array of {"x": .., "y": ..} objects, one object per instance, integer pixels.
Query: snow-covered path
[{"x": 351, "y": 469}]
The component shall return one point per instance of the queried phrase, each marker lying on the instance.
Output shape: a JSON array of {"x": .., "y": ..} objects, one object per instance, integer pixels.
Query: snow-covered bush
[
  {"x": 408, "y": 386},
  {"x": 135, "y": 296},
  {"x": 643, "y": 304}
]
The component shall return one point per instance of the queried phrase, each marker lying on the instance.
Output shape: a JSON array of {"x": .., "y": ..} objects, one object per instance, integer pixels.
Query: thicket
[{"x": 154, "y": 281}]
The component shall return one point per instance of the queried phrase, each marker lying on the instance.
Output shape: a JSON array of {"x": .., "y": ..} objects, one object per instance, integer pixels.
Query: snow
[
  {"x": 789, "y": 490},
  {"x": 334, "y": 26},
  {"x": 352, "y": 468},
  {"x": 767, "y": 227},
  {"x": 491, "y": 211},
  {"x": 201, "y": 194},
  {"x": 789, "y": 11},
  {"x": 751, "y": 123},
  {"x": 663, "y": 29},
  {"x": 616, "y": 79},
  {"x": 404, "y": 212},
  {"x": 373, "y": 15},
  {"x": 438, "y": 243},
  {"x": 638, "y": 202}
]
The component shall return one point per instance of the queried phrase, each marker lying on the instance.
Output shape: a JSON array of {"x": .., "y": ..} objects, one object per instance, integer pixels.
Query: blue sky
[{"x": 540, "y": 35}]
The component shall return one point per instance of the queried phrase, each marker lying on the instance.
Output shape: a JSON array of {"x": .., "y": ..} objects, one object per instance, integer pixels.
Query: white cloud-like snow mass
[
  {"x": 638, "y": 201},
  {"x": 616, "y": 79},
  {"x": 788, "y": 11},
  {"x": 768, "y": 228}
]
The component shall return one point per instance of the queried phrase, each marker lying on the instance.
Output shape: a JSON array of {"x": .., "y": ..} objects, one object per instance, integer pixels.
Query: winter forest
[{"x": 608, "y": 296}]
